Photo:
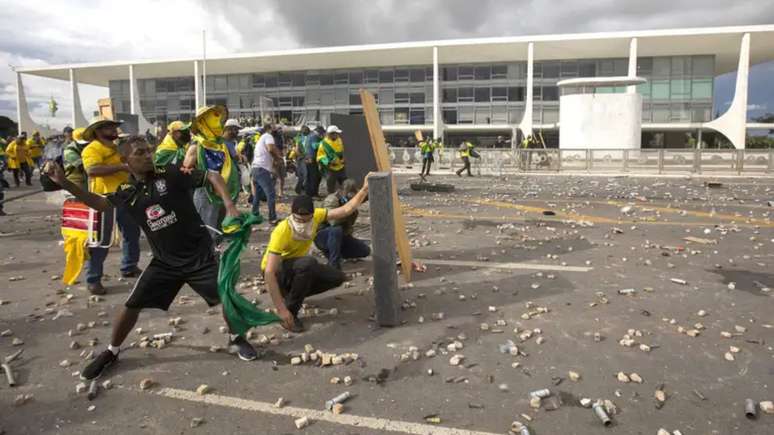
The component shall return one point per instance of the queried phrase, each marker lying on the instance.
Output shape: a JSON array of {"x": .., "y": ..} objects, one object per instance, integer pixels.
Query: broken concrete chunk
[
  {"x": 574, "y": 376},
  {"x": 146, "y": 384},
  {"x": 17, "y": 341},
  {"x": 338, "y": 409},
  {"x": 279, "y": 403},
  {"x": 302, "y": 422},
  {"x": 456, "y": 359},
  {"x": 535, "y": 402},
  {"x": 586, "y": 402},
  {"x": 81, "y": 388},
  {"x": 196, "y": 422},
  {"x": 767, "y": 406},
  {"x": 635, "y": 378},
  {"x": 296, "y": 360},
  {"x": 623, "y": 377},
  {"x": 202, "y": 389}
]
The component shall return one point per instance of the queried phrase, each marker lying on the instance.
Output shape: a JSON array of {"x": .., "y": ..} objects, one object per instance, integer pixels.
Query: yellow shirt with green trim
[
  {"x": 282, "y": 243},
  {"x": 97, "y": 154}
]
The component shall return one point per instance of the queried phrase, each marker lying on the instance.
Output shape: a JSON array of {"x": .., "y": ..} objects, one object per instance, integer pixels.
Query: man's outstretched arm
[
  {"x": 97, "y": 202},
  {"x": 351, "y": 205},
  {"x": 219, "y": 186}
]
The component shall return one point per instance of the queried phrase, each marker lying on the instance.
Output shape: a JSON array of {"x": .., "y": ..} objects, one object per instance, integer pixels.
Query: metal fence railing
[{"x": 634, "y": 161}]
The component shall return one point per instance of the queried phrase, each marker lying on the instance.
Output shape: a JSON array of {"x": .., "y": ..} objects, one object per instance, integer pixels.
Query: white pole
[
  {"x": 204, "y": 67},
  {"x": 197, "y": 87}
]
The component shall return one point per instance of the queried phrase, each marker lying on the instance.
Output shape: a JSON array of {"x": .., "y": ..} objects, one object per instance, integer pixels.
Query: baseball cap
[
  {"x": 178, "y": 125},
  {"x": 232, "y": 123},
  {"x": 333, "y": 129}
]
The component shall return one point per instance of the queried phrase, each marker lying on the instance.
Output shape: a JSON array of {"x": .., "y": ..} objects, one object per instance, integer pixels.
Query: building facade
[{"x": 479, "y": 88}]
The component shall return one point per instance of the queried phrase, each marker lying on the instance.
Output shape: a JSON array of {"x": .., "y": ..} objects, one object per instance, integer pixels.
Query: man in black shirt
[{"x": 160, "y": 201}]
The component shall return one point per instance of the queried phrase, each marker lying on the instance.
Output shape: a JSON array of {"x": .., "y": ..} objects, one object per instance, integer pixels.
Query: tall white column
[
  {"x": 437, "y": 120},
  {"x": 733, "y": 123},
  {"x": 78, "y": 120},
  {"x": 632, "y": 64},
  {"x": 132, "y": 90},
  {"x": 526, "y": 120},
  {"x": 197, "y": 87},
  {"x": 19, "y": 99}
]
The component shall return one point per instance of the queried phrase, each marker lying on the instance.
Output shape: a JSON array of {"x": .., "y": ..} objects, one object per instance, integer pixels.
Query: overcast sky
[{"x": 40, "y": 32}]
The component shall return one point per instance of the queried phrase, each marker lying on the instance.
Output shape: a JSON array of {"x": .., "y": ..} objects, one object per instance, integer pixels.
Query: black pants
[
  {"x": 466, "y": 161},
  {"x": 333, "y": 180},
  {"x": 24, "y": 169},
  {"x": 312, "y": 180},
  {"x": 426, "y": 163},
  {"x": 302, "y": 277}
]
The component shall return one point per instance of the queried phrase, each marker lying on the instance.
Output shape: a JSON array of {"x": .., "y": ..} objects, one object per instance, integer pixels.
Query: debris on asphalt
[
  {"x": 196, "y": 422},
  {"x": 601, "y": 413},
  {"x": 341, "y": 398},
  {"x": 146, "y": 384},
  {"x": 202, "y": 389},
  {"x": 9, "y": 377},
  {"x": 93, "y": 390},
  {"x": 301, "y": 422},
  {"x": 750, "y": 409},
  {"x": 279, "y": 403}
]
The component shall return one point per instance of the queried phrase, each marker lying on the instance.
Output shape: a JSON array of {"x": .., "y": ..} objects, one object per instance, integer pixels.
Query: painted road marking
[
  {"x": 508, "y": 266},
  {"x": 313, "y": 414}
]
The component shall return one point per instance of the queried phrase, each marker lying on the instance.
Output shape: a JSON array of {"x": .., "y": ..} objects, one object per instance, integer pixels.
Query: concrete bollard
[{"x": 383, "y": 252}]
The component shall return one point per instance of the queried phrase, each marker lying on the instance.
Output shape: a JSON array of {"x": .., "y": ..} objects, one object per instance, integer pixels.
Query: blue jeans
[
  {"x": 300, "y": 175},
  {"x": 130, "y": 238},
  {"x": 336, "y": 245},
  {"x": 263, "y": 182},
  {"x": 212, "y": 214}
]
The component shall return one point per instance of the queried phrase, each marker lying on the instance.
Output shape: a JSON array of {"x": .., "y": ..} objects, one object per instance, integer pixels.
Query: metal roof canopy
[{"x": 723, "y": 42}]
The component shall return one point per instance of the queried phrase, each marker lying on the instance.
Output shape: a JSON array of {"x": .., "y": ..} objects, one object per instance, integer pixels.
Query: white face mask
[{"x": 300, "y": 230}]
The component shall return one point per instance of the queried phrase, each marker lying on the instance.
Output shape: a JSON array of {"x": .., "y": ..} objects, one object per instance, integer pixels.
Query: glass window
[
  {"x": 162, "y": 85},
  {"x": 569, "y": 68},
  {"x": 465, "y": 115},
  {"x": 244, "y": 81},
  {"x": 701, "y": 89},
  {"x": 661, "y": 67},
  {"x": 401, "y": 115},
  {"x": 646, "y": 113},
  {"x": 386, "y": 76},
  {"x": 354, "y": 99},
  {"x": 606, "y": 68},
  {"x": 150, "y": 87},
  {"x": 449, "y": 95},
  {"x": 401, "y": 75},
  {"x": 483, "y": 115},
  {"x": 449, "y": 73},
  {"x": 312, "y": 79},
  {"x": 499, "y": 71},
  {"x": 297, "y": 78},
  {"x": 418, "y": 75},
  {"x": 313, "y": 97},
  {"x": 550, "y": 114},
  {"x": 387, "y": 116},
  {"x": 517, "y": 71},
  {"x": 499, "y": 94},
  {"x": 372, "y": 76},
  {"x": 233, "y": 82},
  {"x": 417, "y": 116},
  {"x": 483, "y": 95},
  {"x": 465, "y": 94},
  {"x": 644, "y": 90},
  {"x": 644, "y": 66},
  {"x": 283, "y": 79},
  {"x": 680, "y": 89},
  {"x": 660, "y": 90},
  {"x": 660, "y": 113},
  {"x": 386, "y": 96},
  {"x": 515, "y": 114},
  {"x": 271, "y": 80},
  {"x": 341, "y": 97},
  {"x": 701, "y": 113},
  {"x": 587, "y": 69},
  {"x": 326, "y": 79},
  {"x": 465, "y": 73},
  {"x": 429, "y": 74},
  {"x": 621, "y": 67},
  {"x": 703, "y": 66},
  {"x": 417, "y": 98},
  {"x": 298, "y": 101},
  {"x": 536, "y": 94},
  {"x": 516, "y": 93},
  {"x": 681, "y": 112},
  {"x": 537, "y": 115},
  {"x": 499, "y": 114},
  {"x": 326, "y": 97},
  {"x": 483, "y": 72},
  {"x": 681, "y": 65},
  {"x": 550, "y": 93},
  {"x": 220, "y": 83},
  {"x": 450, "y": 116},
  {"x": 341, "y": 78},
  {"x": 355, "y": 77},
  {"x": 115, "y": 87},
  {"x": 550, "y": 70}
]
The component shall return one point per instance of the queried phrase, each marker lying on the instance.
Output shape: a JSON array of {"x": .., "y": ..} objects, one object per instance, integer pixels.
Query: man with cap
[
  {"x": 159, "y": 200},
  {"x": 290, "y": 273},
  {"x": 265, "y": 156},
  {"x": 106, "y": 171},
  {"x": 334, "y": 238},
  {"x": 171, "y": 150},
  {"x": 299, "y": 142},
  {"x": 330, "y": 156},
  {"x": 312, "y": 169},
  {"x": 19, "y": 160},
  {"x": 210, "y": 153},
  {"x": 231, "y": 137}
]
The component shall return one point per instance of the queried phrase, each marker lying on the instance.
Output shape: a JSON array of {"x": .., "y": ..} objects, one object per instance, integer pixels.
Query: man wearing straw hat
[
  {"x": 105, "y": 170},
  {"x": 210, "y": 153}
]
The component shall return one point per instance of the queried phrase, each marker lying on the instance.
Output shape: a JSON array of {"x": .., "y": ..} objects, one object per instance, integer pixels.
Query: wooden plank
[
  {"x": 105, "y": 106},
  {"x": 383, "y": 165}
]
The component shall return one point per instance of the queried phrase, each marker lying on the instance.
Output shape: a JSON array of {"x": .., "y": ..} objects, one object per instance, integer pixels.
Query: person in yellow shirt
[
  {"x": 291, "y": 274},
  {"x": 35, "y": 146},
  {"x": 330, "y": 157},
  {"x": 106, "y": 171},
  {"x": 19, "y": 161}
]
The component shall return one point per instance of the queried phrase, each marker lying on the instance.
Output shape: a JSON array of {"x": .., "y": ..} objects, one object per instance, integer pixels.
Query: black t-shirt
[{"x": 163, "y": 207}]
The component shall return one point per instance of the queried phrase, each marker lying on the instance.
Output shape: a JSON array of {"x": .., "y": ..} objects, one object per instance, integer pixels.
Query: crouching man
[
  {"x": 290, "y": 273},
  {"x": 335, "y": 238},
  {"x": 160, "y": 201}
]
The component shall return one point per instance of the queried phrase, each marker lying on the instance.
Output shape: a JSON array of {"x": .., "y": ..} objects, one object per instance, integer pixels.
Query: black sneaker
[
  {"x": 298, "y": 325},
  {"x": 96, "y": 367},
  {"x": 242, "y": 348},
  {"x": 132, "y": 273}
]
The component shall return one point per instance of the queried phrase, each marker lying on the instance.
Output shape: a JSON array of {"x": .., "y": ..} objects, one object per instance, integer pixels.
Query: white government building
[{"x": 649, "y": 89}]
